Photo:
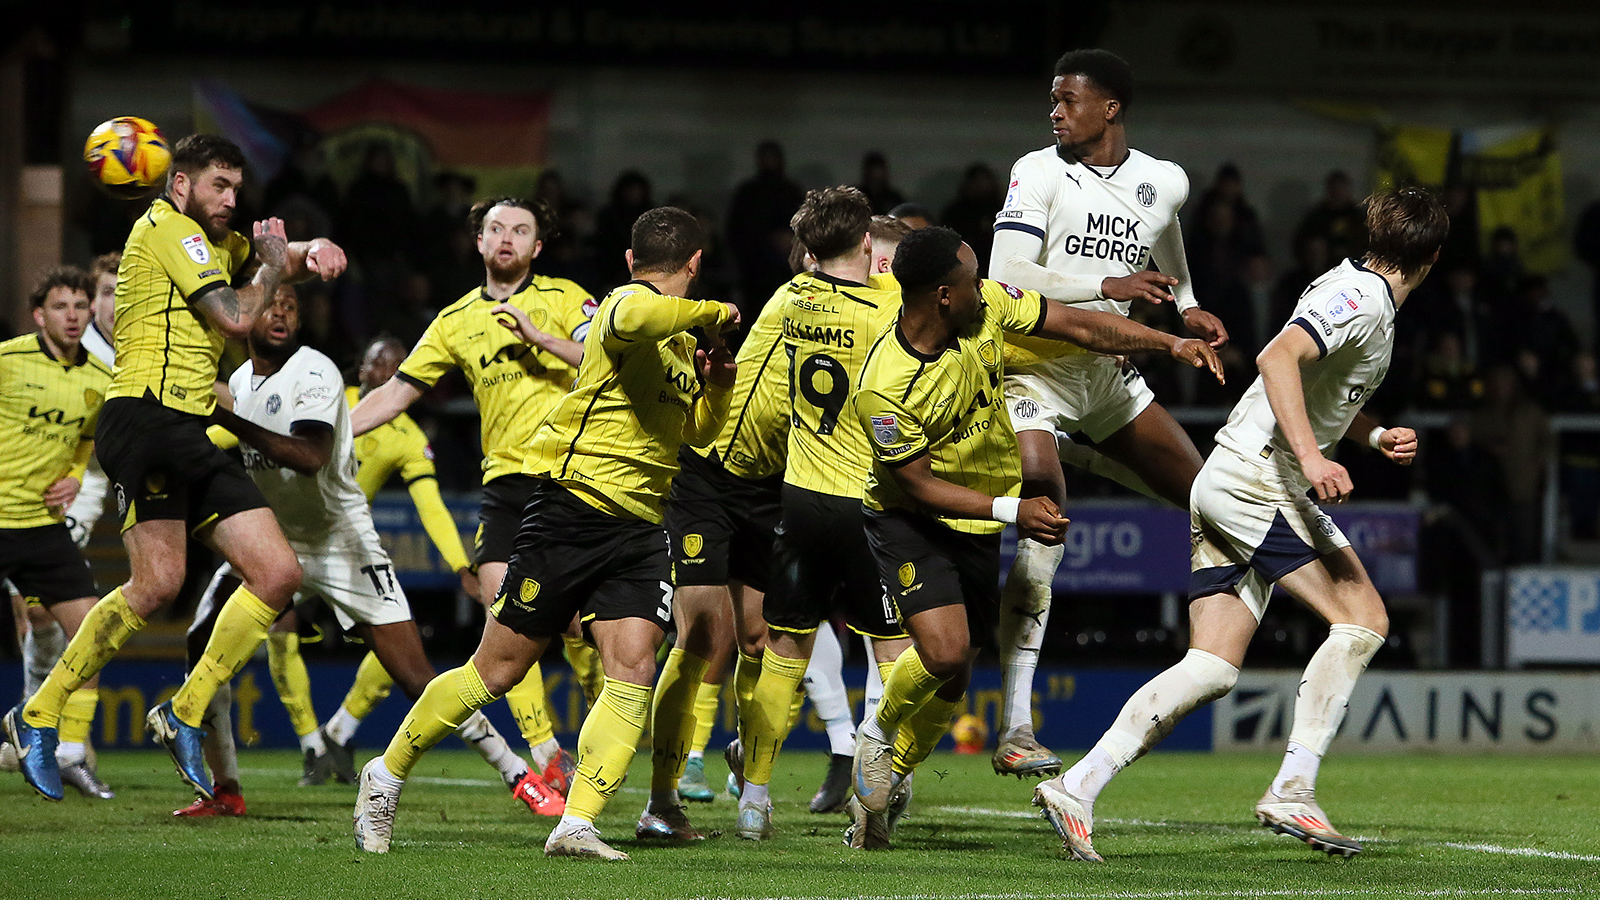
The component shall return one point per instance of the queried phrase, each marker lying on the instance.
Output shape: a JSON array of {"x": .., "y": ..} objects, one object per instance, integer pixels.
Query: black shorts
[
  {"x": 722, "y": 526},
  {"x": 925, "y": 565},
  {"x": 44, "y": 565},
  {"x": 822, "y": 565},
  {"x": 162, "y": 466},
  {"x": 505, "y": 499},
  {"x": 572, "y": 558}
]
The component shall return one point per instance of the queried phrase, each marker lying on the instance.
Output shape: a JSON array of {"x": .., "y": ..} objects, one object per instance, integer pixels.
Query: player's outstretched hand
[
  {"x": 326, "y": 259},
  {"x": 1399, "y": 444},
  {"x": 1207, "y": 327},
  {"x": 717, "y": 365},
  {"x": 1199, "y": 354},
  {"x": 271, "y": 243},
  {"x": 1040, "y": 519},
  {"x": 61, "y": 494},
  {"x": 1330, "y": 480},
  {"x": 1145, "y": 285},
  {"x": 517, "y": 322}
]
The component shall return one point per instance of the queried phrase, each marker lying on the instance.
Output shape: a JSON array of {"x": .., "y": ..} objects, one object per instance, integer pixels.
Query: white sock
[
  {"x": 824, "y": 681},
  {"x": 1325, "y": 687},
  {"x": 381, "y": 774},
  {"x": 869, "y": 706},
  {"x": 697, "y": 754},
  {"x": 545, "y": 752},
  {"x": 1024, "y": 613},
  {"x": 481, "y": 735},
  {"x": 873, "y": 730},
  {"x": 41, "y": 647},
  {"x": 1090, "y": 775},
  {"x": 218, "y": 723},
  {"x": 572, "y": 822},
  {"x": 342, "y": 727},
  {"x": 755, "y": 795},
  {"x": 1298, "y": 772},
  {"x": 70, "y": 753},
  {"x": 313, "y": 742}
]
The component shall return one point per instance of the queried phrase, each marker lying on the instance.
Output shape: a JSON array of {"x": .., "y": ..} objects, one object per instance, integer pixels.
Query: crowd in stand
[{"x": 1481, "y": 341}]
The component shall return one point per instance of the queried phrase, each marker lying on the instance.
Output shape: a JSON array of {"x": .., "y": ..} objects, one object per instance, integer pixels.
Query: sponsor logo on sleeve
[
  {"x": 195, "y": 246},
  {"x": 1344, "y": 307},
  {"x": 885, "y": 429},
  {"x": 1146, "y": 193},
  {"x": 590, "y": 306},
  {"x": 1015, "y": 292}
]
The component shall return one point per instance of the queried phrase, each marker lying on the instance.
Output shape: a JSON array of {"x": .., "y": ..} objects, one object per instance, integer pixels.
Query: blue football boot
[
  {"x": 184, "y": 743},
  {"x": 36, "y": 754}
]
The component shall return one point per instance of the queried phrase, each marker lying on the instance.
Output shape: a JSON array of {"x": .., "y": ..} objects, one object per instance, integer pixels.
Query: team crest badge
[
  {"x": 1146, "y": 194},
  {"x": 693, "y": 543},
  {"x": 885, "y": 429},
  {"x": 988, "y": 354},
  {"x": 908, "y": 574},
  {"x": 92, "y": 399},
  {"x": 529, "y": 590},
  {"x": 1325, "y": 525},
  {"x": 274, "y": 403},
  {"x": 155, "y": 483},
  {"x": 1027, "y": 409}
]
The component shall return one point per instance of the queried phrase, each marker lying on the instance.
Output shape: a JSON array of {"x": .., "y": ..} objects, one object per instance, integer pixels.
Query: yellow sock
[
  {"x": 241, "y": 627},
  {"x": 905, "y": 690},
  {"x": 767, "y": 724},
  {"x": 371, "y": 687},
  {"x": 672, "y": 720},
  {"x": 585, "y": 662},
  {"x": 445, "y": 703},
  {"x": 289, "y": 676},
  {"x": 706, "y": 703},
  {"x": 606, "y": 746},
  {"x": 105, "y": 629},
  {"x": 746, "y": 672},
  {"x": 77, "y": 714},
  {"x": 795, "y": 704},
  {"x": 922, "y": 732},
  {"x": 531, "y": 708},
  {"x": 884, "y": 668}
]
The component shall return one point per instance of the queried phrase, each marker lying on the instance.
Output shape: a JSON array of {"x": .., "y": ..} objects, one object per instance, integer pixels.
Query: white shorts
[
  {"x": 1087, "y": 394},
  {"x": 1250, "y": 524},
  {"x": 352, "y": 572}
]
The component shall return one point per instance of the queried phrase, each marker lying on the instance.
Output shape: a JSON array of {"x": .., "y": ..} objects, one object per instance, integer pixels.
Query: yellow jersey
[
  {"x": 400, "y": 446},
  {"x": 166, "y": 350},
  {"x": 754, "y": 441},
  {"x": 947, "y": 405},
  {"x": 614, "y": 439},
  {"x": 48, "y": 408},
  {"x": 514, "y": 385},
  {"x": 828, "y": 324}
]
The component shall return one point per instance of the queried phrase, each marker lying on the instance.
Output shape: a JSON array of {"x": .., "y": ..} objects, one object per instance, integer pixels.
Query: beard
[
  {"x": 195, "y": 211},
  {"x": 515, "y": 270}
]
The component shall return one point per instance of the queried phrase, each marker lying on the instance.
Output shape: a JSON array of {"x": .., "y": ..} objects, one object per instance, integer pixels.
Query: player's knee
[
  {"x": 943, "y": 659},
  {"x": 1212, "y": 675}
]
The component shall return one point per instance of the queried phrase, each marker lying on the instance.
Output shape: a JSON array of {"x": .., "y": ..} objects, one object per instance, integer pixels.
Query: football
[
  {"x": 127, "y": 156},
  {"x": 969, "y": 733}
]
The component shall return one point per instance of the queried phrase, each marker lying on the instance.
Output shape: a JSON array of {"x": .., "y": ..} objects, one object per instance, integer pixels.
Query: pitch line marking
[
  {"x": 1524, "y": 851},
  {"x": 1245, "y": 893}
]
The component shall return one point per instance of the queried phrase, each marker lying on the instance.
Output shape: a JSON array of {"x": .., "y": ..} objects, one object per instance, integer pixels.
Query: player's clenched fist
[
  {"x": 1330, "y": 480},
  {"x": 1399, "y": 444},
  {"x": 1040, "y": 519},
  {"x": 717, "y": 365}
]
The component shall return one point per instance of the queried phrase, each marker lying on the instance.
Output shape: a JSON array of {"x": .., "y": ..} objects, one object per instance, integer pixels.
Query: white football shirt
[
  {"x": 97, "y": 344},
  {"x": 1349, "y": 311},
  {"x": 1095, "y": 221},
  {"x": 308, "y": 388}
]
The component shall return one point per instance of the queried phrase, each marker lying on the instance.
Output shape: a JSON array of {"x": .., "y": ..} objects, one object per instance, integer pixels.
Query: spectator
[
  {"x": 378, "y": 221},
  {"x": 1545, "y": 341},
  {"x": 972, "y": 212},
  {"x": 1460, "y": 248},
  {"x": 1461, "y": 473},
  {"x": 758, "y": 228},
  {"x": 1586, "y": 245},
  {"x": 1337, "y": 219},
  {"x": 613, "y": 229},
  {"x": 1516, "y": 430},
  {"x": 1311, "y": 259},
  {"x": 914, "y": 214},
  {"x": 1502, "y": 271},
  {"x": 564, "y": 254},
  {"x": 1580, "y": 453},
  {"x": 436, "y": 248},
  {"x": 1228, "y": 189},
  {"x": 875, "y": 184},
  {"x": 1450, "y": 379}
]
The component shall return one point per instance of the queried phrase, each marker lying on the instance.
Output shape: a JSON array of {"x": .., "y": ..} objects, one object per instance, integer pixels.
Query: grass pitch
[{"x": 1174, "y": 825}]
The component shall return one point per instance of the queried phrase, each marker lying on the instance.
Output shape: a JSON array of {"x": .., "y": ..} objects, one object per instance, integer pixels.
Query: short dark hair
[
  {"x": 544, "y": 217},
  {"x": 196, "y": 151},
  {"x": 664, "y": 239},
  {"x": 831, "y": 221},
  {"x": 912, "y": 210},
  {"x": 888, "y": 229},
  {"x": 1405, "y": 228},
  {"x": 1108, "y": 71},
  {"x": 925, "y": 258},
  {"x": 62, "y": 276}
]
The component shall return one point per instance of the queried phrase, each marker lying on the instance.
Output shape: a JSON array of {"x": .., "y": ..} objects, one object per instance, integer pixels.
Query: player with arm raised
[
  {"x": 944, "y": 482},
  {"x": 182, "y": 290},
  {"x": 1083, "y": 222},
  {"x": 592, "y": 543},
  {"x": 1255, "y": 526},
  {"x": 516, "y": 378}
]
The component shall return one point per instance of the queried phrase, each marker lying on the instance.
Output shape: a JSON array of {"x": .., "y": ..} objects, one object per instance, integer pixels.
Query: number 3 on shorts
[{"x": 665, "y": 610}]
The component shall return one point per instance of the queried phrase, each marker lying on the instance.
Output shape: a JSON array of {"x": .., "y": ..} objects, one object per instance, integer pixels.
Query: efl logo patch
[
  {"x": 195, "y": 246},
  {"x": 885, "y": 429},
  {"x": 1011, "y": 195},
  {"x": 1343, "y": 308},
  {"x": 1147, "y": 194}
]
